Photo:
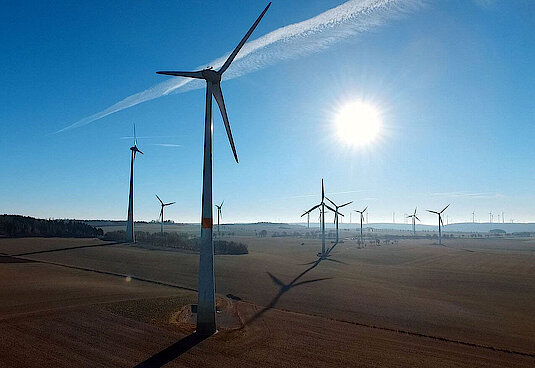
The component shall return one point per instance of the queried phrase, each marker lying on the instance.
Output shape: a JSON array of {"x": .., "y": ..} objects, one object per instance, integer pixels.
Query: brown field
[{"x": 406, "y": 304}]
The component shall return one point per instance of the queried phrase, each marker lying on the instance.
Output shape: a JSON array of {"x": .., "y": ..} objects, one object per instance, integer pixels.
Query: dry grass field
[{"x": 406, "y": 304}]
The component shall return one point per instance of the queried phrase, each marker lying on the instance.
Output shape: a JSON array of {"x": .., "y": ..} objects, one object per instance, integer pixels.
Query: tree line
[{"x": 23, "y": 226}]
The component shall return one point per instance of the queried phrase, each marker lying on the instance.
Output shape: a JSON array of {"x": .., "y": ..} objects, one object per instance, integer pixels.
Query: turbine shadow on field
[
  {"x": 172, "y": 352},
  {"x": 284, "y": 288},
  {"x": 62, "y": 249}
]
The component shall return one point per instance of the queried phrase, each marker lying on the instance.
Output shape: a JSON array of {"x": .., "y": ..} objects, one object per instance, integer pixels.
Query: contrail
[
  {"x": 309, "y": 36},
  {"x": 165, "y": 144}
]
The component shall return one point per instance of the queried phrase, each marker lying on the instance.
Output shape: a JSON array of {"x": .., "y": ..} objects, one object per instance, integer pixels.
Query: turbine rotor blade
[
  {"x": 168, "y": 204},
  {"x": 364, "y": 210},
  {"x": 197, "y": 74},
  {"x": 218, "y": 95},
  {"x": 433, "y": 212},
  {"x": 242, "y": 42},
  {"x": 159, "y": 199},
  {"x": 345, "y": 204},
  {"x": 334, "y": 204},
  {"x": 416, "y": 218},
  {"x": 445, "y": 208},
  {"x": 330, "y": 208},
  {"x": 310, "y": 210}
]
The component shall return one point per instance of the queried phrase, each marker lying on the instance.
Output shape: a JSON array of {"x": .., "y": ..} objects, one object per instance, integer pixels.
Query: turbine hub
[{"x": 211, "y": 75}]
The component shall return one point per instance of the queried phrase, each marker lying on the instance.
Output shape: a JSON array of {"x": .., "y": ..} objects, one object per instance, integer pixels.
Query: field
[{"x": 411, "y": 303}]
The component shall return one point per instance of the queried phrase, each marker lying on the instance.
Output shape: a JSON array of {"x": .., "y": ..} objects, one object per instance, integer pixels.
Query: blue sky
[{"x": 453, "y": 80}]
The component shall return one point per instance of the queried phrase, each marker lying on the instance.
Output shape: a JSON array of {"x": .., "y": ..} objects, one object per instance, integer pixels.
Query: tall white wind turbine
[
  {"x": 130, "y": 237},
  {"x": 336, "y": 213},
  {"x": 161, "y": 211},
  {"x": 361, "y": 213},
  {"x": 219, "y": 215},
  {"x": 206, "y": 324},
  {"x": 414, "y": 218},
  {"x": 440, "y": 223},
  {"x": 321, "y": 206}
]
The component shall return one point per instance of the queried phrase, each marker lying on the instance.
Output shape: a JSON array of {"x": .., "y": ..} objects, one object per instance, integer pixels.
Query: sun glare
[{"x": 358, "y": 123}]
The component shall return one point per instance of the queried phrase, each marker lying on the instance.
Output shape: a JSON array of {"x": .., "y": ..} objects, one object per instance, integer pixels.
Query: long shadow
[
  {"x": 62, "y": 249},
  {"x": 284, "y": 288},
  {"x": 8, "y": 259},
  {"x": 172, "y": 352}
]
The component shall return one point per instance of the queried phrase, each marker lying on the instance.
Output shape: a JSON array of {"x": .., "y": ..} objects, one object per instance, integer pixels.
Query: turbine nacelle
[{"x": 135, "y": 149}]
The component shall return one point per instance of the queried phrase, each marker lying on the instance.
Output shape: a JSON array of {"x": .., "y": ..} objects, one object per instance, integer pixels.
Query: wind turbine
[
  {"x": 206, "y": 310},
  {"x": 321, "y": 206},
  {"x": 414, "y": 218},
  {"x": 361, "y": 219},
  {"x": 219, "y": 215},
  {"x": 161, "y": 211},
  {"x": 440, "y": 222},
  {"x": 130, "y": 237},
  {"x": 308, "y": 220},
  {"x": 336, "y": 213}
]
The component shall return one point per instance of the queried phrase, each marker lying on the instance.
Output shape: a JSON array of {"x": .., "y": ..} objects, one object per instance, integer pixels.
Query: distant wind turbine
[
  {"x": 361, "y": 219},
  {"x": 440, "y": 223},
  {"x": 130, "y": 237},
  {"x": 414, "y": 218},
  {"x": 321, "y": 206},
  {"x": 161, "y": 212},
  {"x": 219, "y": 215},
  {"x": 206, "y": 310},
  {"x": 336, "y": 213},
  {"x": 308, "y": 220}
]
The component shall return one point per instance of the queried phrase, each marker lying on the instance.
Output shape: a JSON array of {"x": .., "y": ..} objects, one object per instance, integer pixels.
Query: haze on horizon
[{"x": 448, "y": 87}]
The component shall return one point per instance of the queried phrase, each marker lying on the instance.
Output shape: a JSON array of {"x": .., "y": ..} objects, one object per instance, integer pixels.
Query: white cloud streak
[
  {"x": 165, "y": 145},
  {"x": 328, "y": 194},
  {"x": 476, "y": 195},
  {"x": 310, "y": 36}
]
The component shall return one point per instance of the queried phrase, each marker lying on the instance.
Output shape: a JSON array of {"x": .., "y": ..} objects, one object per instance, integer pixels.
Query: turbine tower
[
  {"x": 414, "y": 218},
  {"x": 336, "y": 213},
  {"x": 219, "y": 215},
  {"x": 361, "y": 219},
  {"x": 161, "y": 211},
  {"x": 206, "y": 310},
  {"x": 130, "y": 237},
  {"x": 321, "y": 206},
  {"x": 440, "y": 222},
  {"x": 308, "y": 220}
]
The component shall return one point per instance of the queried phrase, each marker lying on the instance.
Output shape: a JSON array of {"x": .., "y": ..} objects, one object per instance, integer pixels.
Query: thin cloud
[
  {"x": 331, "y": 194},
  {"x": 165, "y": 145},
  {"x": 307, "y": 37},
  {"x": 477, "y": 195},
  {"x": 152, "y": 137}
]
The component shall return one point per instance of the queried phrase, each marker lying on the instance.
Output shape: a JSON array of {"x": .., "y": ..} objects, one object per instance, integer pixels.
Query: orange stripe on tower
[{"x": 207, "y": 223}]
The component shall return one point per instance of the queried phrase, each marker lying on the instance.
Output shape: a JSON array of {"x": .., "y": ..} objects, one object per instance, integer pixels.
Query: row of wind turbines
[{"x": 322, "y": 206}]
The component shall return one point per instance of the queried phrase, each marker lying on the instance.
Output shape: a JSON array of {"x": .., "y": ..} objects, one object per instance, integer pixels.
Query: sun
[{"x": 358, "y": 123}]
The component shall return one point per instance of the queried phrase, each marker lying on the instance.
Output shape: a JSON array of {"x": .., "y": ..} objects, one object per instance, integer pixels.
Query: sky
[{"x": 452, "y": 81}]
